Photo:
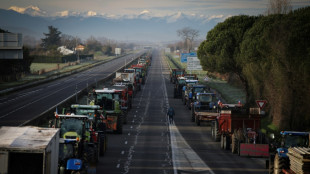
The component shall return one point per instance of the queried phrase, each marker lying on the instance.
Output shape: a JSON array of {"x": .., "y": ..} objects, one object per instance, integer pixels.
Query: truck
[
  {"x": 136, "y": 80},
  {"x": 109, "y": 101},
  {"x": 204, "y": 108},
  {"x": 279, "y": 159},
  {"x": 175, "y": 73},
  {"x": 239, "y": 129},
  {"x": 29, "y": 149},
  {"x": 125, "y": 79}
]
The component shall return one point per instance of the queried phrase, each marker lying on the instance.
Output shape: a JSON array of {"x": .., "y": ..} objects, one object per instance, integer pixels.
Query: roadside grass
[
  {"x": 231, "y": 93},
  {"x": 38, "y": 66}
]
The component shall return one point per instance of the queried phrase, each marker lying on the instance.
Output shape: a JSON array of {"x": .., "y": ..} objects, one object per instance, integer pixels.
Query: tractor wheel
[
  {"x": 174, "y": 93},
  {"x": 197, "y": 121},
  {"x": 62, "y": 170},
  {"x": 227, "y": 143},
  {"x": 119, "y": 127},
  {"x": 101, "y": 144},
  {"x": 217, "y": 136},
  {"x": 234, "y": 144},
  {"x": 279, "y": 164},
  {"x": 125, "y": 118},
  {"x": 222, "y": 141},
  {"x": 193, "y": 115},
  {"x": 271, "y": 164},
  {"x": 212, "y": 132},
  {"x": 188, "y": 105}
]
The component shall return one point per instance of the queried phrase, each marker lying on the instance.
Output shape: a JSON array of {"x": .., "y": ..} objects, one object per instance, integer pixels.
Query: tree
[
  {"x": 70, "y": 41},
  {"x": 279, "y": 7},
  {"x": 219, "y": 52},
  {"x": 188, "y": 35},
  {"x": 52, "y": 39}
]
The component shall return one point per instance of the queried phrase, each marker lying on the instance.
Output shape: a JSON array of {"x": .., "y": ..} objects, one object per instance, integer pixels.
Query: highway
[
  {"x": 150, "y": 145},
  {"x": 21, "y": 107}
]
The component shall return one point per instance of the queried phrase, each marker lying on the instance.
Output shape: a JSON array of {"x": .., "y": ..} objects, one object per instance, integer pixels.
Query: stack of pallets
[{"x": 299, "y": 160}]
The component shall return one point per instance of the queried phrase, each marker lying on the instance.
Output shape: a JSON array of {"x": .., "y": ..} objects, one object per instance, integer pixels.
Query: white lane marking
[
  {"x": 128, "y": 134},
  {"x": 21, "y": 95},
  {"x": 126, "y": 142},
  {"x": 34, "y": 102},
  {"x": 123, "y": 152},
  {"x": 181, "y": 151},
  {"x": 118, "y": 165}
]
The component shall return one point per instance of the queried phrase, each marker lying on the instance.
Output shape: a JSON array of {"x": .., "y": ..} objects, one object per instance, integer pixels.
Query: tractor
[
  {"x": 109, "y": 101},
  {"x": 97, "y": 122},
  {"x": 278, "y": 159},
  {"x": 175, "y": 74},
  {"x": 177, "y": 92},
  {"x": 79, "y": 147},
  {"x": 204, "y": 108}
]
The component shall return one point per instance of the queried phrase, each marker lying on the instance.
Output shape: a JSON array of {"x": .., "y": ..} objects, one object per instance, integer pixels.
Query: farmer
[{"x": 170, "y": 114}]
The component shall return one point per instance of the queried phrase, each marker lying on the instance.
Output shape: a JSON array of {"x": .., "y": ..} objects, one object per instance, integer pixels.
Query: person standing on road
[{"x": 170, "y": 114}]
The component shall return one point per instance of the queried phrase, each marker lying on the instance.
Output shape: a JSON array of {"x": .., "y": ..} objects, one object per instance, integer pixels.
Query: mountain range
[{"x": 31, "y": 21}]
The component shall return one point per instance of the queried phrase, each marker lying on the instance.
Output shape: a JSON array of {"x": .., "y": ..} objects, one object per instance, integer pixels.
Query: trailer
[
  {"x": 29, "y": 149},
  {"x": 239, "y": 130}
]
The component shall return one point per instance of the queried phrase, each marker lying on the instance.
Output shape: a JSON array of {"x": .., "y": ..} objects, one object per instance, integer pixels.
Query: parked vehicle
[
  {"x": 175, "y": 73},
  {"x": 178, "y": 87},
  {"x": 186, "y": 90},
  {"x": 204, "y": 108},
  {"x": 29, "y": 150},
  {"x": 191, "y": 93},
  {"x": 278, "y": 158},
  {"x": 77, "y": 129},
  {"x": 97, "y": 123},
  {"x": 239, "y": 130},
  {"x": 109, "y": 101}
]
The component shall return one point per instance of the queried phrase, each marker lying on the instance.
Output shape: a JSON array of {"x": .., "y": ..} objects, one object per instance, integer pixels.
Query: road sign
[
  {"x": 193, "y": 63},
  {"x": 261, "y": 103},
  {"x": 185, "y": 55}
]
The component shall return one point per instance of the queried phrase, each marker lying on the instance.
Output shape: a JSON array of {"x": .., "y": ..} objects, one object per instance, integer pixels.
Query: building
[
  {"x": 64, "y": 51},
  {"x": 11, "y": 46},
  {"x": 80, "y": 48}
]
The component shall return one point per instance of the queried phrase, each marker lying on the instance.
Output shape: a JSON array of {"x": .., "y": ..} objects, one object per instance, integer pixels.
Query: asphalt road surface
[
  {"x": 21, "y": 107},
  {"x": 150, "y": 145}
]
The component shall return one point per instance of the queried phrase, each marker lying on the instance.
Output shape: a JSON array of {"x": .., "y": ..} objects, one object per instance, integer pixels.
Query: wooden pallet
[{"x": 299, "y": 160}]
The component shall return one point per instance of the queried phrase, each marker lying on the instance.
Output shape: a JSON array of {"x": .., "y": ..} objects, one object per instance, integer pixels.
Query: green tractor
[
  {"x": 97, "y": 123},
  {"x": 110, "y": 102},
  {"x": 76, "y": 133}
]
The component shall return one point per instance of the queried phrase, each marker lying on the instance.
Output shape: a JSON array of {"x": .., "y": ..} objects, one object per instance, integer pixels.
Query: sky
[{"x": 154, "y": 7}]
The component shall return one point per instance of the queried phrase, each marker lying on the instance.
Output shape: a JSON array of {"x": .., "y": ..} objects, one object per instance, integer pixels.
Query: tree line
[{"x": 271, "y": 56}]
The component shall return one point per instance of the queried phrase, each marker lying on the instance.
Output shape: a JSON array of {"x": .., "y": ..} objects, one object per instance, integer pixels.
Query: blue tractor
[{"x": 278, "y": 158}]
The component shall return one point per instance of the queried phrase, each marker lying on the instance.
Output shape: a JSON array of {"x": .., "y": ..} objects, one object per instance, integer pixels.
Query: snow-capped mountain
[
  {"x": 30, "y": 10},
  {"x": 143, "y": 26}
]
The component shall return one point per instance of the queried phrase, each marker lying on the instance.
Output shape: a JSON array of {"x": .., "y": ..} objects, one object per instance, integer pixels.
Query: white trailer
[
  {"x": 126, "y": 76},
  {"x": 29, "y": 149}
]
